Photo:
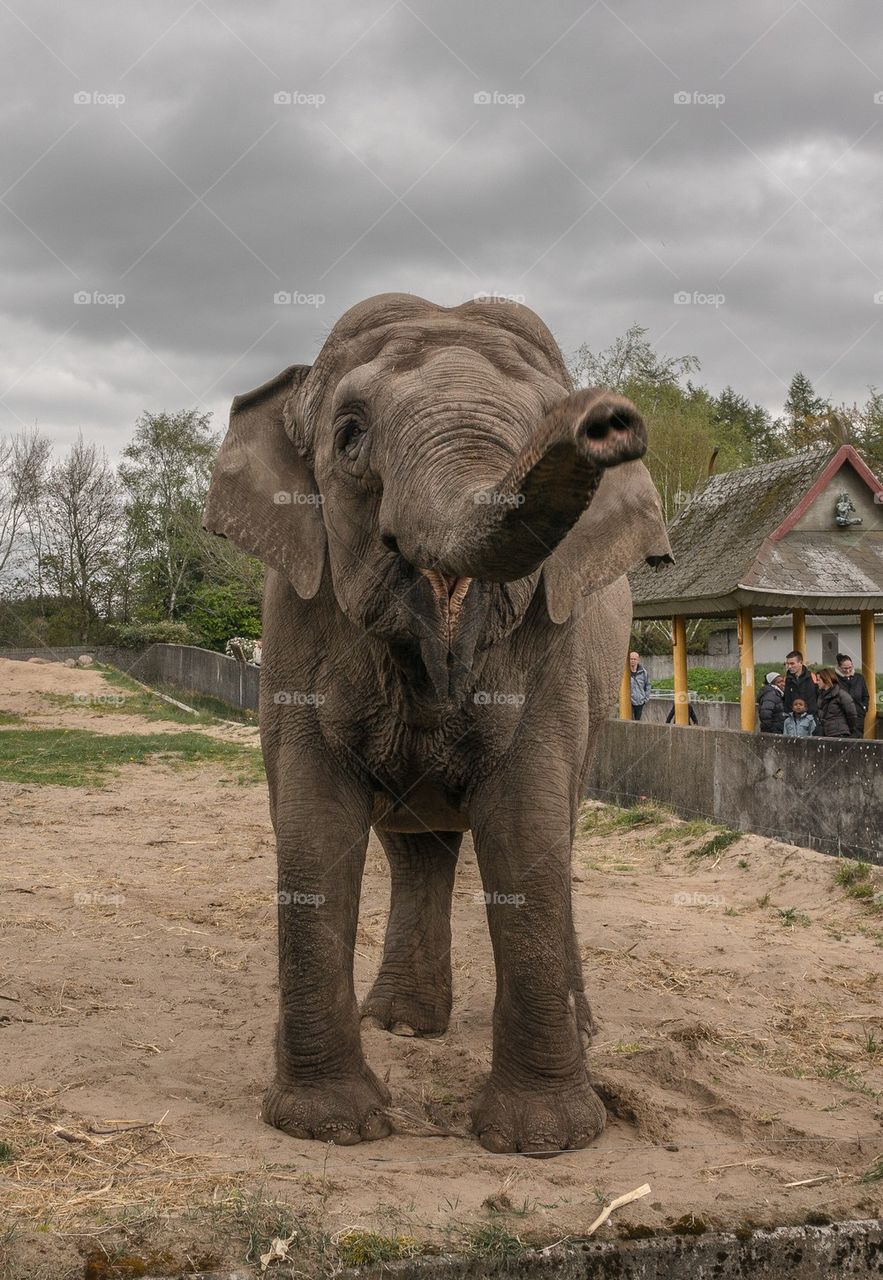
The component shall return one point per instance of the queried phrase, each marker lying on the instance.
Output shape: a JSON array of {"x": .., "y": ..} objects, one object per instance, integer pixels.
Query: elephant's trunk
[{"x": 505, "y": 532}]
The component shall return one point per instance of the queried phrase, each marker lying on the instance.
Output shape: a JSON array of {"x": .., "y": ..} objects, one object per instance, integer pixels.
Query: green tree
[
  {"x": 805, "y": 414},
  {"x": 221, "y": 610},
  {"x": 165, "y": 471},
  {"x": 630, "y": 361},
  {"x": 749, "y": 426}
]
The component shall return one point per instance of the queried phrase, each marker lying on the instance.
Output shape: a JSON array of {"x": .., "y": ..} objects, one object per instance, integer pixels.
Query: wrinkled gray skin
[{"x": 446, "y": 526}]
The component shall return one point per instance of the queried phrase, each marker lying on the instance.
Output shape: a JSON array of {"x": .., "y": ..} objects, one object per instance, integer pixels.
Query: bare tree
[
  {"x": 81, "y": 522},
  {"x": 23, "y": 462}
]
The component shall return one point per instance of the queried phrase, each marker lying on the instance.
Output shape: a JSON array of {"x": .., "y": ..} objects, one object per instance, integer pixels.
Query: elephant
[{"x": 446, "y": 525}]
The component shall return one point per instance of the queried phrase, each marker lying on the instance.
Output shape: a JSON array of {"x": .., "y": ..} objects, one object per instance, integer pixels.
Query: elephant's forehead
[{"x": 400, "y": 346}]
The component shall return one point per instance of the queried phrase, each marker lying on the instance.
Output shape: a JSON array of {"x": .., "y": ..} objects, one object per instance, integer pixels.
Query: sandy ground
[{"x": 738, "y": 996}]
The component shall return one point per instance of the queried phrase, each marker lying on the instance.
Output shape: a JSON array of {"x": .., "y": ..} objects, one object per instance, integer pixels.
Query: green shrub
[
  {"x": 218, "y": 612},
  {"x": 135, "y": 635}
]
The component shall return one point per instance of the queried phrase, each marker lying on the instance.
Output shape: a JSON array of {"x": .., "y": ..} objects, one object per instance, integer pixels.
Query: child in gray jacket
[{"x": 798, "y": 722}]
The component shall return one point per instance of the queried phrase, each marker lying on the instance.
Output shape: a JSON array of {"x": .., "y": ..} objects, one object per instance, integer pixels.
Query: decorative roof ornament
[{"x": 845, "y": 513}]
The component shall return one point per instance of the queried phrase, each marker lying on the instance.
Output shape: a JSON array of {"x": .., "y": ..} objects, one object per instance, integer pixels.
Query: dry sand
[{"x": 739, "y": 1050}]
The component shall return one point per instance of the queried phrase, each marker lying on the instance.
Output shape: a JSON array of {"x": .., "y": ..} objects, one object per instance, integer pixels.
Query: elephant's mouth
[{"x": 449, "y": 595}]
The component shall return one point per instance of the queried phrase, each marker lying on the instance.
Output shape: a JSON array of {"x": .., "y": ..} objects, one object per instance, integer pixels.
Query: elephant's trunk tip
[{"x": 611, "y": 429}]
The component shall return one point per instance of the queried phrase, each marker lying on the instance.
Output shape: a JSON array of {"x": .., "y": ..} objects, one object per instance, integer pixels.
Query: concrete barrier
[
  {"x": 110, "y": 655},
  {"x": 821, "y": 793},
  {"x": 204, "y": 671}
]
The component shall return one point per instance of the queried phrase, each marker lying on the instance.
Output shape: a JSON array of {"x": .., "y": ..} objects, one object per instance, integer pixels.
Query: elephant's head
[{"x": 439, "y": 459}]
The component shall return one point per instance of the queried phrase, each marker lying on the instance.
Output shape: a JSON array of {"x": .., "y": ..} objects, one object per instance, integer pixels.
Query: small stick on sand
[{"x": 629, "y": 1196}]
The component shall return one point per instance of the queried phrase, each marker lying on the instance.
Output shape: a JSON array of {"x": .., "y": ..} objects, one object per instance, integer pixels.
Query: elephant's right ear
[{"x": 263, "y": 495}]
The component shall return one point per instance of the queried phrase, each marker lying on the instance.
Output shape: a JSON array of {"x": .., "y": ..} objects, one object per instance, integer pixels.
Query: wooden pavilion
[{"x": 802, "y": 535}]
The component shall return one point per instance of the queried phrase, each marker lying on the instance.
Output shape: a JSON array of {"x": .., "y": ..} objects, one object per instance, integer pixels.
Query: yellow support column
[
  {"x": 679, "y": 654},
  {"x": 745, "y": 633},
  {"x": 869, "y": 669},
  {"x": 625, "y": 693},
  {"x": 798, "y": 631}
]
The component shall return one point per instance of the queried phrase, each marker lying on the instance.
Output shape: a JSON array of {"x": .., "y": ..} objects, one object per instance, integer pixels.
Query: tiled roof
[{"x": 721, "y": 540}]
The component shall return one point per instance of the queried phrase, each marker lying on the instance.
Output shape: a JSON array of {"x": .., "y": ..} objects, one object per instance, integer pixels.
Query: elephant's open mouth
[{"x": 449, "y": 594}]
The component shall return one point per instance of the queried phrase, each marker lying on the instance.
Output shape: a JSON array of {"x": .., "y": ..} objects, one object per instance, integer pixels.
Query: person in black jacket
[
  {"x": 836, "y": 715},
  {"x": 799, "y": 683},
  {"x": 854, "y": 683},
  {"x": 771, "y": 704}
]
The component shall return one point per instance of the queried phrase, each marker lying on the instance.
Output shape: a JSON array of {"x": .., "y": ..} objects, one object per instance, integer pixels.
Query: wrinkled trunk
[{"x": 505, "y": 532}]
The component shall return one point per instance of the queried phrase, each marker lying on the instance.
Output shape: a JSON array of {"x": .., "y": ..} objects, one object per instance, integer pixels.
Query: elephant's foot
[
  {"x": 345, "y": 1110},
  {"x": 540, "y": 1121},
  {"x": 408, "y": 1009}
]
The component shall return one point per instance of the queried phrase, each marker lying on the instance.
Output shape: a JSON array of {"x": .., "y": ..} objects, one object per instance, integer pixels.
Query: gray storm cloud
[{"x": 217, "y": 184}]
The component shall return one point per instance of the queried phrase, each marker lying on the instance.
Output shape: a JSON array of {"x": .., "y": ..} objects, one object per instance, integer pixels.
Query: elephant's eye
[{"x": 349, "y": 436}]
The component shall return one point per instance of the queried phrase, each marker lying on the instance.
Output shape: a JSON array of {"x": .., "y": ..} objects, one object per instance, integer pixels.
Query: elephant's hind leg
[{"x": 412, "y": 993}]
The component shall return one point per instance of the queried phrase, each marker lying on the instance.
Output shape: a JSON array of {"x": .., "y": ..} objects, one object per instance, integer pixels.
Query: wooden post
[
  {"x": 625, "y": 693},
  {"x": 745, "y": 632},
  {"x": 798, "y": 632},
  {"x": 679, "y": 655},
  {"x": 869, "y": 669}
]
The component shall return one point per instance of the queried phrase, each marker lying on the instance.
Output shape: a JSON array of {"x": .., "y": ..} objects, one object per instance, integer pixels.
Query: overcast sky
[{"x": 630, "y": 152}]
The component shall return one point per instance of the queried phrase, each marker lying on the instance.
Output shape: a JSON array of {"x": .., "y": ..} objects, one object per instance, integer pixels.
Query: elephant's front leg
[
  {"x": 412, "y": 992},
  {"x": 323, "y": 1087},
  {"x": 537, "y": 1097}
]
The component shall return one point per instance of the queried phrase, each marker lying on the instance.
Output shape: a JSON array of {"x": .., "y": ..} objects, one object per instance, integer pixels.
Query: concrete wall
[
  {"x": 194, "y": 670},
  {"x": 824, "y": 794},
  {"x": 123, "y": 659},
  {"x": 711, "y": 715},
  {"x": 189, "y": 669}
]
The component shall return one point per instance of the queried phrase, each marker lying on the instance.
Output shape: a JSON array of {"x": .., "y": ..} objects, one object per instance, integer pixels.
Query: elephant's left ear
[
  {"x": 263, "y": 494},
  {"x": 622, "y": 526}
]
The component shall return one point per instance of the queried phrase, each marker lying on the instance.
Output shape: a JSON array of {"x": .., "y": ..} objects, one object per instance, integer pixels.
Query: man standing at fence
[
  {"x": 640, "y": 686},
  {"x": 800, "y": 683}
]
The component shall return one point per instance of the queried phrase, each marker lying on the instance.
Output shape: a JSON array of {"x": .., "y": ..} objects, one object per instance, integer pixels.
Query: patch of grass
[
  {"x": 207, "y": 707},
  {"x": 77, "y": 757},
  {"x": 790, "y": 916},
  {"x": 851, "y": 873},
  {"x": 717, "y": 844},
  {"x": 610, "y": 817},
  {"x": 210, "y": 707},
  {"x": 875, "y": 1173},
  {"x": 848, "y": 1077},
  {"x": 856, "y": 879},
  {"x": 367, "y": 1248},
  {"x": 494, "y": 1244},
  {"x": 9, "y": 717},
  {"x": 7, "y": 1155}
]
